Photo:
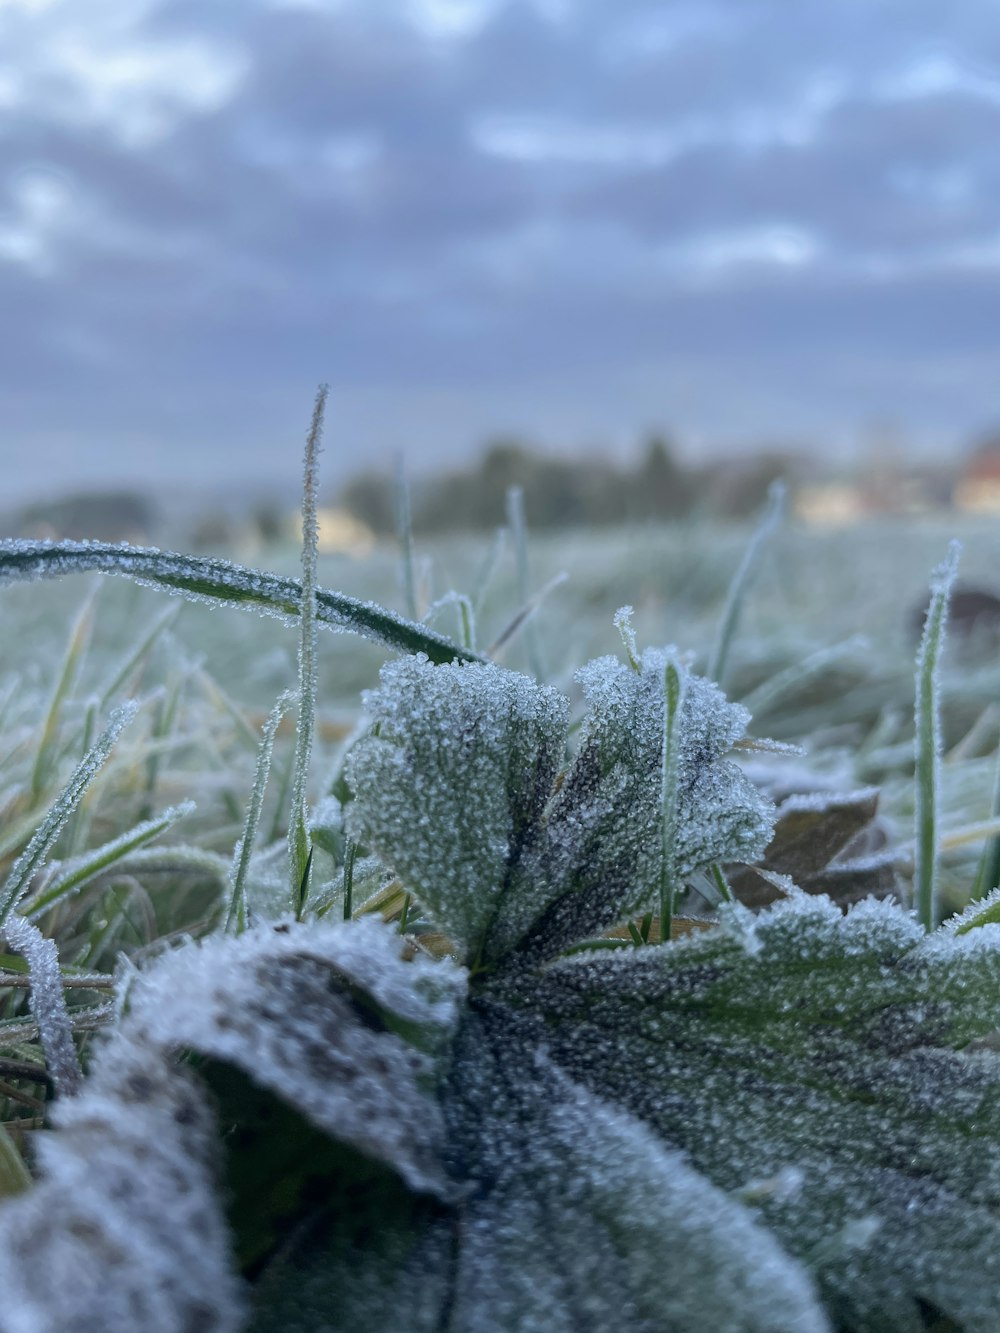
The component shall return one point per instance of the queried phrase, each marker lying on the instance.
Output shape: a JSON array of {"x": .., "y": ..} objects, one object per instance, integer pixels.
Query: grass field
[{"x": 822, "y": 654}]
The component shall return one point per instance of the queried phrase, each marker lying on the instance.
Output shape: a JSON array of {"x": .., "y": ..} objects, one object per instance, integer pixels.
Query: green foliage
[{"x": 488, "y": 1112}]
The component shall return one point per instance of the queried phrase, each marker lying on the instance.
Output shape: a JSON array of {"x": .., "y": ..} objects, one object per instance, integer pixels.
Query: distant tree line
[{"x": 561, "y": 492}]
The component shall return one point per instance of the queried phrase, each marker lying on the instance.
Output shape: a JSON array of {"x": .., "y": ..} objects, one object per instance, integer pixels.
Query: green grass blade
[
  {"x": 38, "y": 848},
  {"x": 673, "y": 699},
  {"x": 988, "y": 874},
  {"x": 404, "y": 532},
  {"x": 928, "y": 741},
  {"x": 135, "y": 658},
  {"x": 45, "y": 757},
  {"x": 94, "y": 863},
  {"x": 740, "y": 585},
  {"x": 15, "y": 1178},
  {"x": 203, "y": 579},
  {"x": 238, "y": 915},
  {"x": 777, "y": 688},
  {"x": 47, "y": 1001},
  {"x": 299, "y": 841},
  {"x": 519, "y": 533}
]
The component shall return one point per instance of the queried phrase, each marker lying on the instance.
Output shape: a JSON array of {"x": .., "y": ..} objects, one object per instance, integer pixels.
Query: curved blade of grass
[
  {"x": 928, "y": 741},
  {"x": 45, "y": 756},
  {"x": 136, "y": 656},
  {"x": 47, "y": 1002},
  {"x": 203, "y": 579},
  {"x": 45, "y": 835},
  {"x": 94, "y": 863},
  {"x": 740, "y": 585},
  {"x": 776, "y": 689},
  {"x": 523, "y": 616},
  {"x": 299, "y": 841}
]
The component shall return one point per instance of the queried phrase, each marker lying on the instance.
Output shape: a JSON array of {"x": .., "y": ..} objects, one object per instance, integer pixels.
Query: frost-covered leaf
[
  {"x": 853, "y": 1051},
  {"x": 451, "y": 789},
  {"x": 125, "y": 1230},
  {"x": 602, "y": 854},
  {"x": 456, "y": 789},
  {"x": 331, "y": 1018},
  {"x": 812, "y": 830},
  {"x": 321, "y": 1046},
  {"x": 570, "y": 1216},
  {"x": 578, "y": 1218}
]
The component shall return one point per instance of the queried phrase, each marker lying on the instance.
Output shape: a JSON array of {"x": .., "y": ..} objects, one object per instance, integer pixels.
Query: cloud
[{"x": 206, "y": 207}]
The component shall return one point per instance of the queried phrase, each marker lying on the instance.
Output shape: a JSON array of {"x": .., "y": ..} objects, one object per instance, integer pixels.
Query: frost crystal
[{"x": 456, "y": 790}]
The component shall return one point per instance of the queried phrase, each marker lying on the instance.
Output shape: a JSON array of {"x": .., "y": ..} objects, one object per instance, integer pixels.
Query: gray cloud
[{"x": 735, "y": 218}]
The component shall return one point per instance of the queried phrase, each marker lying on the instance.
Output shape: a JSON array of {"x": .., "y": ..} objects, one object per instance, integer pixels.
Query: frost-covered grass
[{"x": 491, "y": 1024}]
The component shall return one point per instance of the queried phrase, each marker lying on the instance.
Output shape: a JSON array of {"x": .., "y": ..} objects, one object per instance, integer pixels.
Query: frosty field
[{"x": 429, "y": 1056}]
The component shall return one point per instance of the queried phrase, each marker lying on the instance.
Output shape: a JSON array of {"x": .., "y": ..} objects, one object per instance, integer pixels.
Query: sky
[{"x": 578, "y": 221}]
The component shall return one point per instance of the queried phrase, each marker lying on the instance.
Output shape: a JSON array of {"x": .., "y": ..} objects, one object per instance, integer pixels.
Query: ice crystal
[{"x": 456, "y": 788}]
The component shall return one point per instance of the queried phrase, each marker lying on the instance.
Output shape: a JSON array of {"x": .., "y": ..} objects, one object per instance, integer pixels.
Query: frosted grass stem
[
  {"x": 299, "y": 841},
  {"x": 47, "y": 1002},
  {"x": 404, "y": 534},
  {"x": 673, "y": 700},
  {"x": 75, "y": 649},
  {"x": 519, "y": 533},
  {"x": 742, "y": 580},
  {"x": 71, "y": 878},
  {"x": 24, "y": 868},
  {"x": 928, "y": 741},
  {"x": 988, "y": 875},
  {"x": 237, "y": 917}
]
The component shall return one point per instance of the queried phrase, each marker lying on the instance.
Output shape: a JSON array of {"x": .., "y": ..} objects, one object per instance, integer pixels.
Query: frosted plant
[
  {"x": 786, "y": 1122},
  {"x": 456, "y": 789}
]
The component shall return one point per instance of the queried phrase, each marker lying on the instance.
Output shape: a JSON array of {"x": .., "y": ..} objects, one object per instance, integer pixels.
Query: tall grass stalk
[
  {"x": 742, "y": 580},
  {"x": 73, "y": 877},
  {"x": 519, "y": 533},
  {"x": 45, "y": 756},
  {"x": 47, "y": 1001},
  {"x": 673, "y": 699},
  {"x": 928, "y": 741},
  {"x": 237, "y": 916},
  {"x": 299, "y": 842},
  {"x": 988, "y": 874},
  {"x": 404, "y": 533},
  {"x": 24, "y": 868}
]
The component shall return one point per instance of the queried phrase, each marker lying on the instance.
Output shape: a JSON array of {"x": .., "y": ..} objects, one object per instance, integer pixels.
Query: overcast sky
[{"x": 575, "y": 219}]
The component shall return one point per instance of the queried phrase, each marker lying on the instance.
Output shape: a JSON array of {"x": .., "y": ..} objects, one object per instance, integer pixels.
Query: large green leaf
[
  {"x": 451, "y": 786},
  {"x": 456, "y": 789},
  {"x": 838, "y": 1070}
]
